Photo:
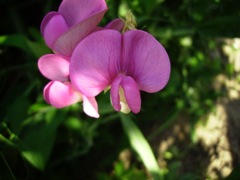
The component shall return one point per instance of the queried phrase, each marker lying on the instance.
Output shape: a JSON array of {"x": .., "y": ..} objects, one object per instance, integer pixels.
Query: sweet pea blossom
[
  {"x": 59, "y": 92},
  {"x": 126, "y": 63},
  {"x": 74, "y": 20},
  {"x": 62, "y": 31}
]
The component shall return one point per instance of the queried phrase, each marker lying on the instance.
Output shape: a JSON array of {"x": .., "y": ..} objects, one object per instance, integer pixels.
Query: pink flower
[
  {"x": 59, "y": 92},
  {"x": 127, "y": 63},
  {"x": 62, "y": 31},
  {"x": 74, "y": 20}
]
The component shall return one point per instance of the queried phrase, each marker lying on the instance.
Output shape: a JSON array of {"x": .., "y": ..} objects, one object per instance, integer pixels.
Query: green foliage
[
  {"x": 20, "y": 41},
  {"x": 38, "y": 141},
  {"x": 141, "y": 146},
  {"x": 234, "y": 174},
  {"x": 39, "y": 135},
  {"x": 121, "y": 173}
]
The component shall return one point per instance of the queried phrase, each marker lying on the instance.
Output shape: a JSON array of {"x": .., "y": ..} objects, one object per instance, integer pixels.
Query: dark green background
[{"x": 40, "y": 142}]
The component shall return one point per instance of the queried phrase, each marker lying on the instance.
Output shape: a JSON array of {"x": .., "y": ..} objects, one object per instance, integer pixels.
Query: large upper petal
[
  {"x": 94, "y": 63},
  {"x": 67, "y": 42},
  {"x": 75, "y": 19},
  {"x": 54, "y": 67},
  {"x": 146, "y": 60},
  {"x": 53, "y": 25},
  {"x": 75, "y": 11},
  {"x": 60, "y": 94}
]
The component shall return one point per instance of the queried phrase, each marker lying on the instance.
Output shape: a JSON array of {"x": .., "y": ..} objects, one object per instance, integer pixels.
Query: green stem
[
  {"x": 6, "y": 141},
  {"x": 5, "y": 161},
  {"x": 141, "y": 146}
]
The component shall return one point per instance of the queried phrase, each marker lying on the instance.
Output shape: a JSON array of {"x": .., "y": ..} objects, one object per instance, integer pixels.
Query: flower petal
[
  {"x": 60, "y": 94},
  {"x": 90, "y": 106},
  {"x": 132, "y": 94},
  {"x": 75, "y": 11},
  {"x": 94, "y": 62},
  {"x": 146, "y": 60},
  {"x": 114, "y": 93},
  {"x": 67, "y": 42},
  {"x": 52, "y": 26},
  {"x": 54, "y": 67},
  {"x": 116, "y": 24}
]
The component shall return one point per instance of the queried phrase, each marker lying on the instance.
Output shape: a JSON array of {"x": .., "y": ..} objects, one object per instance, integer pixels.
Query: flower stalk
[{"x": 129, "y": 22}]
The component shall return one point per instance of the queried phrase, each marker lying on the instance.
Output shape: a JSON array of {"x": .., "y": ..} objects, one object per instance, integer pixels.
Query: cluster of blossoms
[{"x": 88, "y": 59}]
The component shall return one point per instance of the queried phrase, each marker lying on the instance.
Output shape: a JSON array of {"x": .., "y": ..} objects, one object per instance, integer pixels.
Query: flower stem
[{"x": 129, "y": 22}]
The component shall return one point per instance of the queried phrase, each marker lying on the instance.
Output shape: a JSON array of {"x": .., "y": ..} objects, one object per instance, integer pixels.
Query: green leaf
[
  {"x": 16, "y": 40},
  {"x": 22, "y": 42},
  {"x": 38, "y": 138},
  {"x": 141, "y": 146},
  {"x": 17, "y": 112}
]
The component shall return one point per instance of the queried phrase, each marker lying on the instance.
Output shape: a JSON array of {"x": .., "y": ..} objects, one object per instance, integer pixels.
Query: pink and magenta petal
[
  {"x": 60, "y": 94},
  {"x": 75, "y": 11},
  {"x": 90, "y": 106},
  {"x": 94, "y": 62},
  {"x": 132, "y": 94},
  {"x": 116, "y": 24},
  {"x": 146, "y": 60},
  {"x": 53, "y": 25},
  {"x": 67, "y": 42},
  {"x": 114, "y": 93},
  {"x": 54, "y": 67}
]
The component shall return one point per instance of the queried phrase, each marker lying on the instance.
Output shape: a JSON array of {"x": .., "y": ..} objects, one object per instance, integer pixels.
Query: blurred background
[{"x": 192, "y": 125}]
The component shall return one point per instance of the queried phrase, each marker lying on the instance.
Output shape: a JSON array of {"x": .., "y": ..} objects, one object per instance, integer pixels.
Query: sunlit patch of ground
[
  {"x": 214, "y": 137},
  {"x": 216, "y": 147}
]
